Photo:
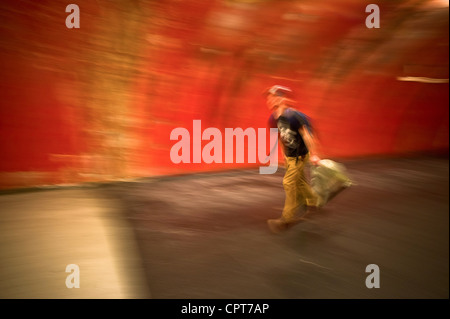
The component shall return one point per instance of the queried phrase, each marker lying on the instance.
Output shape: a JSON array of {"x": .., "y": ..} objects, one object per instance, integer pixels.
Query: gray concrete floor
[{"x": 205, "y": 236}]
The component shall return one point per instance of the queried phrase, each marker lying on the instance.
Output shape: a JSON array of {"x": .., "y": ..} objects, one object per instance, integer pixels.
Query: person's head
[{"x": 276, "y": 97}]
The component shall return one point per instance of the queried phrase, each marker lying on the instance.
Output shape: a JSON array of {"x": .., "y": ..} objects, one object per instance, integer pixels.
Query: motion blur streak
[
  {"x": 86, "y": 176},
  {"x": 99, "y": 102}
]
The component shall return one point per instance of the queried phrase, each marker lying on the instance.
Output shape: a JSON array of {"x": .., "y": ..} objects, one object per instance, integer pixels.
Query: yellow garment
[{"x": 297, "y": 189}]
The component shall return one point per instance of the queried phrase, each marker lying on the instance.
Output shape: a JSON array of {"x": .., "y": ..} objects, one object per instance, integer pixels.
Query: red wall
[{"x": 99, "y": 102}]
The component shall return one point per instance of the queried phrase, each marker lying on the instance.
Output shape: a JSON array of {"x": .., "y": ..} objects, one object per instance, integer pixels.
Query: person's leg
[
  {"x": 290, "y": 181},
  {"x": 291, "y": 203},
  {"x": 306, "y": 195}
]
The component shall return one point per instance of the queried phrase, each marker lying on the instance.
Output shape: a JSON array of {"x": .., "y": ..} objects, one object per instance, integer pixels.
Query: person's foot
[
  {"x": 310, "y": 210},
  {"x": 279, "y": 225},
  {"x": 276, "y": 226},
  {"x": 307, "y": 212}
]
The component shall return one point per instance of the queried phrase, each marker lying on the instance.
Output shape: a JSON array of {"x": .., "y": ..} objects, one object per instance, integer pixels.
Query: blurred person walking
[{"x": 300, "y": 149}]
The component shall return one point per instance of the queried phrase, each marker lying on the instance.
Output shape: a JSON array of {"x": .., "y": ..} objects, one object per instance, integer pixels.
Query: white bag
[{"x": 329, "y": 178}]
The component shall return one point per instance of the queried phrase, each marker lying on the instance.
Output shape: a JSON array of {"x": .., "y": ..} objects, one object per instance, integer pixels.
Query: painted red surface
[{"x": 343, "y": 77}]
